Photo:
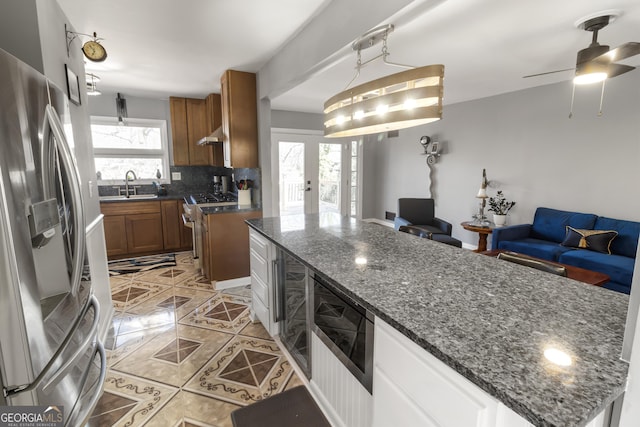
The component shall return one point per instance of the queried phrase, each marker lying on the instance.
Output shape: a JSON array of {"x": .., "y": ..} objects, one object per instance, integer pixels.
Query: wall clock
[{"x": 94, "y": 51}]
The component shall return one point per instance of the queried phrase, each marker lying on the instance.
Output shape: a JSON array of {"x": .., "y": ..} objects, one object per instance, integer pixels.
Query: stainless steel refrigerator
[{"x": 50, "y": 354}]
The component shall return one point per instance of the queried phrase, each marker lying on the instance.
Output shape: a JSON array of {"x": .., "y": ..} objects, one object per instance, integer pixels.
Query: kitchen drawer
[
  {"x": 129, "y": 208},
  {"x": 420, "y": 380},
  {"x": 260, "y": 289},
  {"x": 259, "y": 265},
  {"x": 259, "y": 244},
  {"x": 261, "y": 312}
]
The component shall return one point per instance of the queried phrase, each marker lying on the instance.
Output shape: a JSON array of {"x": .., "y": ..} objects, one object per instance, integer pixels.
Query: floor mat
[{"x": 134, "y": 265}]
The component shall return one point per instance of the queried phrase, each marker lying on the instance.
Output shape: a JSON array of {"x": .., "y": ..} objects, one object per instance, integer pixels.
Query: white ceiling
[{"x": 159, "y": 48}]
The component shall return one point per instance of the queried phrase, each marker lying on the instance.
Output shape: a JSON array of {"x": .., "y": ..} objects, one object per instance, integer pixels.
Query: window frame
[{"x": 119, "y": 153}]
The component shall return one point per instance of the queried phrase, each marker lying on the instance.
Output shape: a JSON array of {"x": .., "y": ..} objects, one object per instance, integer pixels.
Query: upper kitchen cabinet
[
  {"x": 239, "y": 119},
  {"x": 189, "y": 123}
]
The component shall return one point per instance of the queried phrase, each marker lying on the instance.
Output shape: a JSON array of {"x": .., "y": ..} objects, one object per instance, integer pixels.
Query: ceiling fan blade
[
  {"x": 548, "y": 72},
  {"x": 619, "y": 53},
  {"x": 615, "y": 70}
]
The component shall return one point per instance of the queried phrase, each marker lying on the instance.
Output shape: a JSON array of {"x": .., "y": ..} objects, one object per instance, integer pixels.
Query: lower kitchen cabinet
[
  {"x": 262, "y": 255},
  {"x": 413, "y": 388},
  {"x": 115, "y": 235},
  {"x": 225, "y": 245},
  {"x": 134, "y": 228},
  {"x": 144, "y": 233},
  {"x": 175, "y": 234}
]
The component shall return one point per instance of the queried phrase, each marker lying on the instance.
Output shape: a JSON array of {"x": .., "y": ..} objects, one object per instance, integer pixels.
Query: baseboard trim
[
  {"x": 232, "y": 283},
  {"x": 386, "y": 223},
  {"x": 469, "y": 246}
]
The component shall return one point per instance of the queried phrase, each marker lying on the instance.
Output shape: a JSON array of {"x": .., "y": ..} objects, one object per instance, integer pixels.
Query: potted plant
[{"x": 500, "y": 207}]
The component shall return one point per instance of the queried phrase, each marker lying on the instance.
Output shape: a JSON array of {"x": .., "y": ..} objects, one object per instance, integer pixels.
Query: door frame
[{"x": 314, "y": 137}]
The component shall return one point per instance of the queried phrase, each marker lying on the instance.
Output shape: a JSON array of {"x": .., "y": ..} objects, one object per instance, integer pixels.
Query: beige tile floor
[{"x": 181, "y": 353}]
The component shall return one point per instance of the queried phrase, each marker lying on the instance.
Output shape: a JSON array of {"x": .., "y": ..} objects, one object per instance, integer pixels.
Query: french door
[{"x": 313, "y": 174}]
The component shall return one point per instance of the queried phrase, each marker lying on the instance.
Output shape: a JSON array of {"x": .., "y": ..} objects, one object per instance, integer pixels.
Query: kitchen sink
[{"x": 132, "y": 197}]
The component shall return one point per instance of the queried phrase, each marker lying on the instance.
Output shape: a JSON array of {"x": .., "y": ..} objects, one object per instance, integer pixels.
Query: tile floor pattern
[{"x": 181, "y": 353}]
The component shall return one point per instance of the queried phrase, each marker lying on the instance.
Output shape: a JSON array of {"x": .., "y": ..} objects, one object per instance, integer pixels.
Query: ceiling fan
[{"x": 597, "y": 62}]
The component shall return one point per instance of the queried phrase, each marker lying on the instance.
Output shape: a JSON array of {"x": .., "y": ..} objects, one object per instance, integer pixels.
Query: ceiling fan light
[{"x": 589, "y": 78}]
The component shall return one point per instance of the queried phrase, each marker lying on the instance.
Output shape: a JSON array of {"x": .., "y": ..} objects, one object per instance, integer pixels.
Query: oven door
[{"x": 346, "y": 328}]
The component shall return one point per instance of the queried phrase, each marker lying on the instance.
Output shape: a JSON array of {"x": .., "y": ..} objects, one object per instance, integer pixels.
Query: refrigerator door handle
[
  {"x": 93, "y": 331},
  {"x": 52, "y": 122},
  {"x": 87, "y": 409},
  {"x": 82, "y": 348}
]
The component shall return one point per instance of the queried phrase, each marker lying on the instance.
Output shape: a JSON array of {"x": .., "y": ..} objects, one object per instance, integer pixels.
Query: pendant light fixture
[
  {"x": 121, "y": 108},
  {"x": 401, "y": 100}
]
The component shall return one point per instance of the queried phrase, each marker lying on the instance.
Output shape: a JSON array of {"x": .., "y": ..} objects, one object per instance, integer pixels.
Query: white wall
[
  {"x": 296, "y": 120},
  {"x": 51, "y": 24},
  {"x": 19, "y": 34},
  {"x": 140, "y": 108},
  {"x": 531, "y": 150}
]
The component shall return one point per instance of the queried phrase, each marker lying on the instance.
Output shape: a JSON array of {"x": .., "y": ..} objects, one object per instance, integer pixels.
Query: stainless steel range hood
[{"x": 214, "y": 138}]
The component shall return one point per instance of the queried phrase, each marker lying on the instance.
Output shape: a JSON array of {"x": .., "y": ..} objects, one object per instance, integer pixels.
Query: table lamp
[{"x": 482, "y": 194}]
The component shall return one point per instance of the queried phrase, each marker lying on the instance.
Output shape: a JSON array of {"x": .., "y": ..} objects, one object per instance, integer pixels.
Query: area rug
[{"x": 145, "y": 263}]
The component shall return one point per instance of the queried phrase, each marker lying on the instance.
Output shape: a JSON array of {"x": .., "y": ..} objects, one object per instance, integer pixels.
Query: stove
[
  {"x": 213, "y": 199},
  {"x": 203, "y": 200}
]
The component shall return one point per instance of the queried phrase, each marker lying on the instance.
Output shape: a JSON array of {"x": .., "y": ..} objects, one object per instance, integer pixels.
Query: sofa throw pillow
[{"x": 595, "y": 240}]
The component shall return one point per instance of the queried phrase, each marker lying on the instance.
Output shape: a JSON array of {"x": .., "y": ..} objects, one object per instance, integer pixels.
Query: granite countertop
[
  {"x": 489, "y": 320},
  {"x": 140, "y": 199},
  {"x": 226, "y": 209}
]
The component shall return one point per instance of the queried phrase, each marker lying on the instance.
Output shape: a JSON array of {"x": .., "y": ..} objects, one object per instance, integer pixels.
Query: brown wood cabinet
[
  {"x": 115, "y": 235},
  {"x": 144, "y": 233},
  {"x": 226, "y": 245},
  {"x": 239, "y": 119},
  {"x": 190, "y": 123},
  {"x": 175, "y": 234},
  {"x": 134, "y": 228}
]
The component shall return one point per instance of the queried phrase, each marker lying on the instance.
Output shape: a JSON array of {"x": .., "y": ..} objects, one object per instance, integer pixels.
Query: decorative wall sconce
[
  {"x": 92, "y": 49},
  {"x": 121, "y": 108},
  {"x": 431, "y": 149},
  {"x": 92, "y": 80},
  {"x": 405, "y": 99}
]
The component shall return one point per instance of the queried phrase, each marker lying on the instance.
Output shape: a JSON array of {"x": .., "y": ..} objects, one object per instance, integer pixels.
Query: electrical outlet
[{"x": 176, "y": 176}]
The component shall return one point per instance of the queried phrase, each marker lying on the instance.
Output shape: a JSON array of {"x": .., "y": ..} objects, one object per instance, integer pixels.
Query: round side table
[{"x": 482, "y": 230}]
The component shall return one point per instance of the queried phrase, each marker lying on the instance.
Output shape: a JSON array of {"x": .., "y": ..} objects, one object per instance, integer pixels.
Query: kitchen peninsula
[{"x": 490, "y": 323}]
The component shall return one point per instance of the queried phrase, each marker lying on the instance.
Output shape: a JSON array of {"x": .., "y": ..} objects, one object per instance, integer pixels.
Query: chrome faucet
[{"x": 126, "y": 182}]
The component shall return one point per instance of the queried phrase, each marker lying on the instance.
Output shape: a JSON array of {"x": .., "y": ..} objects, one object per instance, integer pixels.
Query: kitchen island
[{"x": 489, "y": 321}]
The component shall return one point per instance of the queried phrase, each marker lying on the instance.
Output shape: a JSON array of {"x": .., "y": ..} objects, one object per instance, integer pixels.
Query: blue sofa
[{"x": 543, "y": 239}]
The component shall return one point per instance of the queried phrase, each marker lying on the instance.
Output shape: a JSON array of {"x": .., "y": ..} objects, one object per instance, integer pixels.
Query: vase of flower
[{"x": 500, "y": 206}]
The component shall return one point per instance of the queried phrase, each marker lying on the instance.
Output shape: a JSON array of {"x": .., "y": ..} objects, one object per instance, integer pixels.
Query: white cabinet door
[
  {"x": 413, "y": 388},
  {"x": 262, "y": 255}
]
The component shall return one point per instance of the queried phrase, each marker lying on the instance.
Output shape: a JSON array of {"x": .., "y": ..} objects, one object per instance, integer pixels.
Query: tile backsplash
[{"x": 197, "y": 179}]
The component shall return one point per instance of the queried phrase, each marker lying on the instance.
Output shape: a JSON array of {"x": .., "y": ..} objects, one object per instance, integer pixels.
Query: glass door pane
[
  {"x": 294, "y": 327},
  {"x": 291, "y": 180},
  {"x": 330, "y": 170}
]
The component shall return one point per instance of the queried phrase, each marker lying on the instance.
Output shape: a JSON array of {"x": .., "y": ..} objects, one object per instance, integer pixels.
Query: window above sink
[{"x": 140, "y": 145}]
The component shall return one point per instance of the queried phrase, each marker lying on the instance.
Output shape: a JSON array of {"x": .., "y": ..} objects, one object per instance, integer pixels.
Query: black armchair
[{"x": 419, "y": 213}]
